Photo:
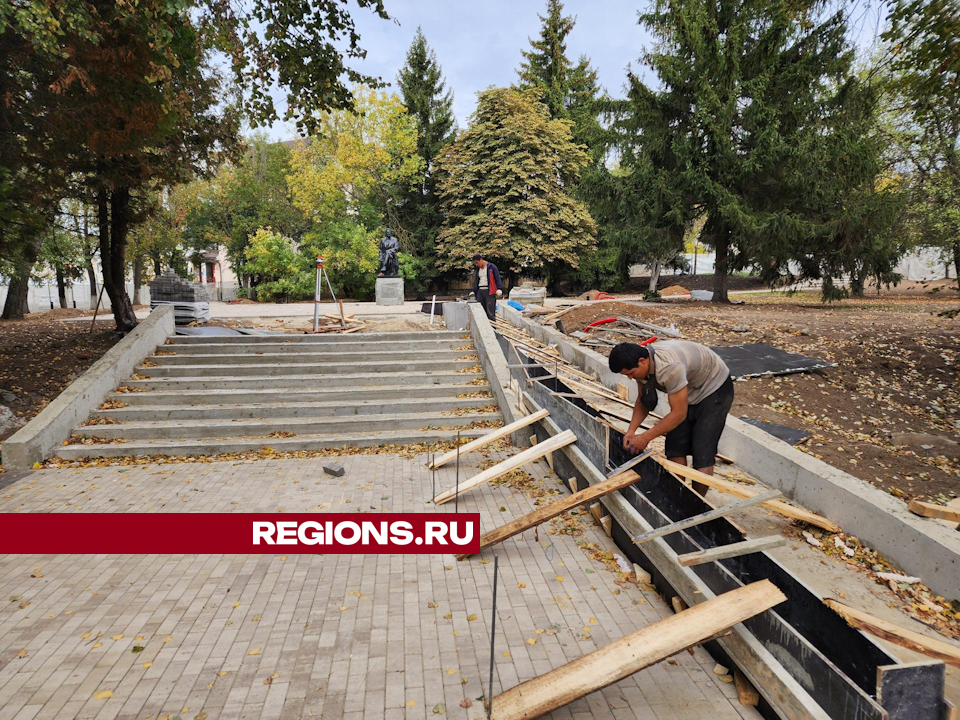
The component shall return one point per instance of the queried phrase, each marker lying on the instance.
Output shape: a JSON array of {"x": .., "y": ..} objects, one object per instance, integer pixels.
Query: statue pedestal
[{"x": 389, "y": 291}]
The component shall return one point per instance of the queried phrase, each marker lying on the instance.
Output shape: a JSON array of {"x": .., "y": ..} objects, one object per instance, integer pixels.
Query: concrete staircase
[{"x": 211, "y": 395}]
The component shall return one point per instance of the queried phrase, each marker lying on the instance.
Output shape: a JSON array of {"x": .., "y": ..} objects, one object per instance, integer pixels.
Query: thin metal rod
[
  {"x": 317, "y": 289},
  {"x": 433, "y": 465},
  {"x": 456, "y": 485},
  {"x": 493, "y": 633}
]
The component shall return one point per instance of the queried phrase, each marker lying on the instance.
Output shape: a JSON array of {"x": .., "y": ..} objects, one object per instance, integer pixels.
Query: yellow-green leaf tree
[
  {"x": 505, "y": 187},
  {"x": 347, "y": 178}
]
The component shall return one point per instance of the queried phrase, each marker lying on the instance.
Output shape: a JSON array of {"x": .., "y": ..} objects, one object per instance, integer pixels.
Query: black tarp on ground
[
  {"x": 758, "y": 359},
  {"x": 782, "y": 432}
]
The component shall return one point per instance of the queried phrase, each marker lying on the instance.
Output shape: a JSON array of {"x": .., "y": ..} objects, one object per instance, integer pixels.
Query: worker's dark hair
[
  {"x": 478, "y": 256},
  {"x": 627, "y": 356}
]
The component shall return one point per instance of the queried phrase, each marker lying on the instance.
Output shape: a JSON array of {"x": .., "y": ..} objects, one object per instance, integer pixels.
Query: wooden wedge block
[
  {"x": 733, "y": 550},
  {"x": 678, "y": 605},
  {"x": 597, "y": 511},
  {"x": 746, "y": 692},
  {"x": 542, "y": 514},
  {"x": 607, "y": 523},
  {"x": 490, "y": 437},
  {"x": 743, "y": 491},
  {"x": 529, "y": 455},
  {"x": 932, "y": 510},
  {"x": 634, "y": 652},
  {"x": 950, "y": 654}
]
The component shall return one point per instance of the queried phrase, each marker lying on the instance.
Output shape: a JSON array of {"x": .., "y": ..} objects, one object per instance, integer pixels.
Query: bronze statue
[{"x": 389, "y": 262}]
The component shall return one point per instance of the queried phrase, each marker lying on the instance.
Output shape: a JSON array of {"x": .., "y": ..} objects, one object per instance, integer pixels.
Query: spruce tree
[
  {"x": 426, "y": 98},
  {"x": 545, "y": 64},
  {"x": 757, "y": 125}
]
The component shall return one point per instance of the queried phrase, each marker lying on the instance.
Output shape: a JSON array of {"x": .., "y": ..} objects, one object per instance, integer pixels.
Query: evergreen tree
[
  {"x": 505, "y": 188},
  {"x": 758, "y": 125},
  {"x": 546, "y": 65},
  {"x": 423, "y": 92}
]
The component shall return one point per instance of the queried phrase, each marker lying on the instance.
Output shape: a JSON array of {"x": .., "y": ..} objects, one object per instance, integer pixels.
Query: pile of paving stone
[{"x": 190, "y": 301}]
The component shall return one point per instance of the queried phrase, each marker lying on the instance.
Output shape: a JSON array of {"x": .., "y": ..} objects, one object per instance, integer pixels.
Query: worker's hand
[
  {"x": 636, "y": 443},
  {"x": 499, "y": 293}
]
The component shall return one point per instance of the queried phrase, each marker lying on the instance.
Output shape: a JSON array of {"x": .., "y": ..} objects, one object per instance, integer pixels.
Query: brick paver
[{"x": 349, "y": 636}]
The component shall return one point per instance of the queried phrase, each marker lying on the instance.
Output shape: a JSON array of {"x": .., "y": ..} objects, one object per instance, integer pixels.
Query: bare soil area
[
  {"x": 39, "y": 357},
  {"x": 889, "y": 413}
]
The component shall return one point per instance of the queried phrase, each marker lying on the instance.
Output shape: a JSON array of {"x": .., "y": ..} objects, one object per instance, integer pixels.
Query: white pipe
[{"x": 433, "y": 307}]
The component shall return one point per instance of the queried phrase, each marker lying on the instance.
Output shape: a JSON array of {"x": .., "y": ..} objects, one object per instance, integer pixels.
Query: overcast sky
[{"x": 478, "y": 42}]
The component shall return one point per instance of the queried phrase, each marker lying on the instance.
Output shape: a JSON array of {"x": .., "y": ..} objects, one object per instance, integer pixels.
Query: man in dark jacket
[{"x": 486, "y": 285}]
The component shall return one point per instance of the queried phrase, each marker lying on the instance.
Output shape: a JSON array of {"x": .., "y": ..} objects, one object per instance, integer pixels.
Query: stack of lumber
[
  {"x": 332, "y": 323},
  {"x": 595, "y": 393}
]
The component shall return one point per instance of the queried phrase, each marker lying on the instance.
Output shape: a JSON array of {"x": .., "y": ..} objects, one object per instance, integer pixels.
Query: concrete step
[
  {"x": 172, "y": 429},
  {"x": 187, "y": 397},
  {"x": 277, "y": 410},
  {"x": 308, "y": 367},
  {"x": 324, "y": 338},
  {"x": 297, "y": 354},
  {"x": 205, "y": 446},
  {"x": 227, "y": 380},
  {"x": 424, "y": 344}
]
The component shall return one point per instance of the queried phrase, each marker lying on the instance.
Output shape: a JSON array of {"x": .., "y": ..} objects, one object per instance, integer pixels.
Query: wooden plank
[
  {"x": 542, "y": 514},
  {"x": 551, "y": 318},
  {"x": 632, "y": 653},
  {"x": 896, "y": 634},
  {"x": 788, "y": 698},
  {"x": 731, "y": 550},
  {"x": 932, "y": 510},
  {"x": 746, "y": 692},
  {"x": 743, "y": 491},
  {"x": 912, "y": 691},
  {"x": 705, "y": 517},
  {"x": 955, "y": 503},
  {"x": 529, "y": 455},
  {"x": 489, "y": 438}
]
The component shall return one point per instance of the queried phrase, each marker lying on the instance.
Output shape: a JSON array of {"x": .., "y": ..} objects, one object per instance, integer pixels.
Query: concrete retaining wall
[
  {"x": 36, "y": 440},
  {"x": 916, "y": 545},
  {"x": 494, "y": 365}
]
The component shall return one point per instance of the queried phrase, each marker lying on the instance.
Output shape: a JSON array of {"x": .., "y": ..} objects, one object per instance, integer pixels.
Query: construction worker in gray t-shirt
[{"x": 700, "y": 391}]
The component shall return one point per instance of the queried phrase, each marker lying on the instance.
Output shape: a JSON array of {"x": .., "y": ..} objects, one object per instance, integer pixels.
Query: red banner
[{"x": 238, "y": 533}]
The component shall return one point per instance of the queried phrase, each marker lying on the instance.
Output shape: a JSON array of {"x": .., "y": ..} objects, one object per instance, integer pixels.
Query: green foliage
[
  {"x": 545, "y": 65},
  {"x": 423, "y": 91},
  {"x": 505, "y": 187},
  {"x": 274, "y": 259},
  {"x": 759, "y": 126},
  {"x": 924, "y": 81},
  {"x": 242, "y": 197},
  {"x": 351, "y": 257},
  {"x": 357, "y": 163}
]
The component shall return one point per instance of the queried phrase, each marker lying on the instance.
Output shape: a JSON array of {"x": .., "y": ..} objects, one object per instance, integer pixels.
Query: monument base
[{"x": 389, "y": 291}]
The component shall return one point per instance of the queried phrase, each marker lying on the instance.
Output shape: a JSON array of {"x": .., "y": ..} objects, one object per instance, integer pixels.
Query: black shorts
[{"x": 699, "y": 434}]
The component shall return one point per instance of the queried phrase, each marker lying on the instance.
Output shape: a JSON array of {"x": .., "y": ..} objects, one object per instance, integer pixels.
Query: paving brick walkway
[{"x": 352, "y": 636}]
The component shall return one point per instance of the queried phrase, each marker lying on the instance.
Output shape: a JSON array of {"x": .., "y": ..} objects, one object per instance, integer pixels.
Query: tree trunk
[
  {"x": 92, "y": 277},
  {"x": 956, "y": 260},
  {"x": 137, "y": 279},
  {"x": 61, "y": 289},
  {"x": 654, "y": 276},
  {"x": 721, "y": 243},
  {"x": 157, "y": 267},
  {"x": 15, "y": 307},
  {"x": 113, "y": 211}
]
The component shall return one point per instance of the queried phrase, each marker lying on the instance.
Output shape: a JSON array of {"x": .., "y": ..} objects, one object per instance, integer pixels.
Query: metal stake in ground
[
  {"x": 433, "y": 465},
  {"x": 456, "y": 486},
  {"x": 493, "y": 634},
  {"x": 317, "y": 289}
]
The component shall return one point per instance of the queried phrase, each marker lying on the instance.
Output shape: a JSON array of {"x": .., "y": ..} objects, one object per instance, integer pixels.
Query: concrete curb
[
  {"x": 38, "y": 439},
  {"x": 495, "y": 367},
  {"x": 916, "y": 545}
]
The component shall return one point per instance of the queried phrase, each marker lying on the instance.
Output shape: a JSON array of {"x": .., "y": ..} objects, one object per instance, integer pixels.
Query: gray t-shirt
[{"x": 679, "y": 364}]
